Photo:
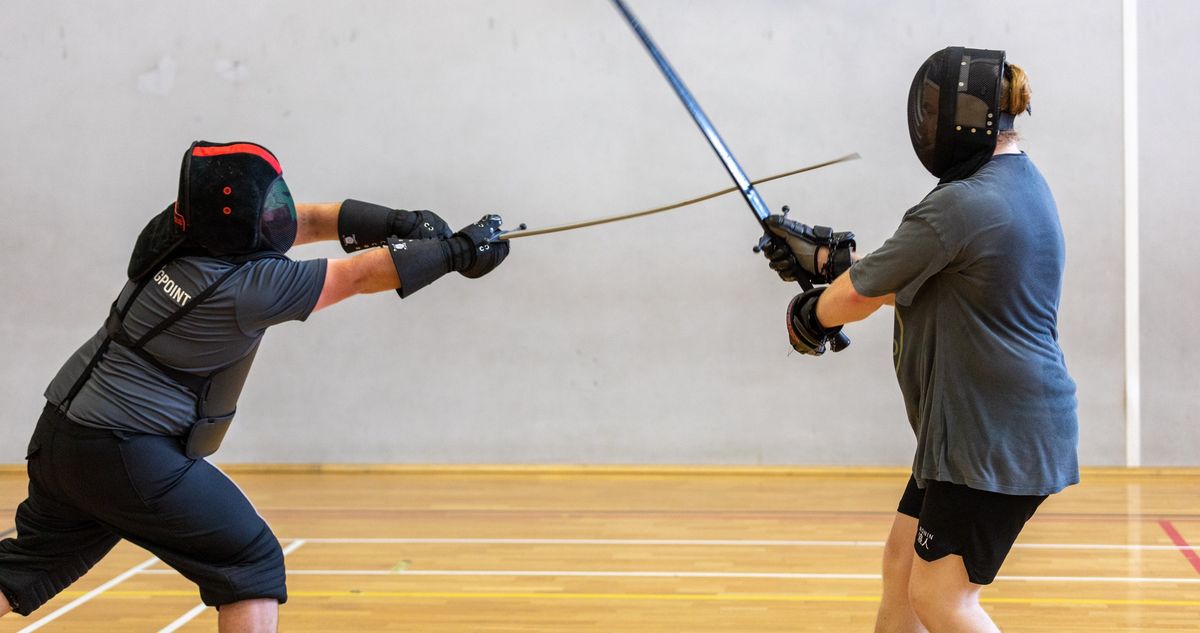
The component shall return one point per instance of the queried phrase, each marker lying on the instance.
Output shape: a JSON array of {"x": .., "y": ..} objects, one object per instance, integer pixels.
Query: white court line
[
  {"x": 700, "y": 542},
  {"x": 200, "y": 608},
  {"x": 185, "y": 618},
  {"x": 689, "y": 574},
  {"x": 70, "y": 606}
]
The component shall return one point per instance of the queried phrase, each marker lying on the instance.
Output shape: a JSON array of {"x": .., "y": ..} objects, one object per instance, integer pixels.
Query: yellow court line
[
  {"x": 659, "y": 597},
  {"x": 1088, "y": 472},
  {"x": 651, "y": 470}
]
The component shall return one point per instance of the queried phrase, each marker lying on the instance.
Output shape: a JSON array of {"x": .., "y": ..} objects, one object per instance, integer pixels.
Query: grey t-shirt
[
  {"x": 127, "y": 393},
  {"x": 977, "y": 270}
]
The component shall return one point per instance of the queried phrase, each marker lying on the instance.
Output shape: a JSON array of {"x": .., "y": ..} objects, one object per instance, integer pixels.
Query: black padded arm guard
[
  {"x": 419, "y": 263},
  {"x": 364, "y": 225}
]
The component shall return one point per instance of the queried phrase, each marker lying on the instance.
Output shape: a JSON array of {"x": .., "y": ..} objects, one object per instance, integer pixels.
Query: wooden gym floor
[{"x": 654, "y": 550}]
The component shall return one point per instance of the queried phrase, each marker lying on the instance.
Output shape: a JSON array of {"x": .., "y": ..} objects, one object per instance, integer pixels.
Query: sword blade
[
  {"x": 675, "y": 205},
  {"x": 839, "y": 341},
  {"x": 760, "y": 208}
]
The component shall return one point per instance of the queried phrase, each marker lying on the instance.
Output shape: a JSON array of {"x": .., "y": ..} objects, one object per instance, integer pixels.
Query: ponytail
[{"x": 1015, "y": 95}]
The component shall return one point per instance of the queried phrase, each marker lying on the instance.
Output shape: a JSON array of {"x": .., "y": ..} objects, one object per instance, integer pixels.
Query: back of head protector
[
  {"x": 954, "y": 112},
  {"x": 233, "y": 200}
]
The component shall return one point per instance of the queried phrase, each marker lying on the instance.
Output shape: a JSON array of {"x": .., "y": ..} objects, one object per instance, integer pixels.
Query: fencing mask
[
  {"x": 232, "y": 202},
  {"x": 954, "y": 112}
]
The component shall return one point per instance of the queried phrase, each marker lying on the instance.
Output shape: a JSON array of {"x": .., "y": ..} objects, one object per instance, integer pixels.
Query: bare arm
[
  {"x": 420, "y": 248},
  {"x": 316, "y": 222},
  {"x": 841, "y": 303},
  {"x": 370, "y": 271}
]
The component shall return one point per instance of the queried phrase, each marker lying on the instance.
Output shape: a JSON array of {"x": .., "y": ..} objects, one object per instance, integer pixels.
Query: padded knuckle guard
[
  {"x": 805, "y": 331},
  {"x": 482, "y": 252}
]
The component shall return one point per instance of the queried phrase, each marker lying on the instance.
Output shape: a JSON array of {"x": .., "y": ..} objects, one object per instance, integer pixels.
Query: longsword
[
  {"x": 523, "y": 232},
  {"x": 749, "y": 193}
]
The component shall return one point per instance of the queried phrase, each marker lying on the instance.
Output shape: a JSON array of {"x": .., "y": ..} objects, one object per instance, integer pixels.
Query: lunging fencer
[
  {"x": 118, "y": 452},
  {"x": 975, "y": 273}
]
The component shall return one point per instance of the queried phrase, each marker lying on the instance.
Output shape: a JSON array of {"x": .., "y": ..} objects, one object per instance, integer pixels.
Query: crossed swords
[{"x": 760, "y": 209}]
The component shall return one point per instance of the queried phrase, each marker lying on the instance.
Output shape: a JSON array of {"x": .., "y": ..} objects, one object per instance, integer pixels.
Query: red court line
[{"x": 1181, "y": 543}]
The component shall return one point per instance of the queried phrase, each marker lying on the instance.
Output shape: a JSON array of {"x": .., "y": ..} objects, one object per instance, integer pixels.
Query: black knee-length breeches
[{"x": 89, "y": 488}]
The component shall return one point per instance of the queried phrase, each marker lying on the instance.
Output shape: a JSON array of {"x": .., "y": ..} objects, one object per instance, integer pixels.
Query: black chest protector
[{"x": 216, "y": 392}]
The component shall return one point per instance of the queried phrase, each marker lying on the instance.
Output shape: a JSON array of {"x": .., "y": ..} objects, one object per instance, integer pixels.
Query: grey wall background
[
  {"x": 654, "y": 341},
  {"x": 1170, "y": 273}
]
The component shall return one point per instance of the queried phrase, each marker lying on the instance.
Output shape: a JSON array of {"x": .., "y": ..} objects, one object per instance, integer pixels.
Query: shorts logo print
[{"x": 923, "y": 537}]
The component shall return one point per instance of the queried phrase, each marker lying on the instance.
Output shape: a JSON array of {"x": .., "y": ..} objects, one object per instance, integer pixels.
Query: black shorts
[
  {"x": 90, "y": 488},
  {"x": 978, "y": 525}
]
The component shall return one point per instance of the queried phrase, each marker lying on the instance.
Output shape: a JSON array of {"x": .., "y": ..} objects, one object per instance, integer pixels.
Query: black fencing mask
[
  {"x": 232, "y": 202},
  {"x": 954, "y": 112}
]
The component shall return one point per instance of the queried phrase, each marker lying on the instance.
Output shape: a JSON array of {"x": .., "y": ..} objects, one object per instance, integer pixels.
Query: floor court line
[
  {"x": 200, "y": 608},
  {"x": 1181, "y": 544},
  {"x": 666, "y": 597},
  {"x": 830, "y": 515},
  {"x": 686, "y": 574},
  {"x": 184, "y": 619},
  {"x": 714, "y": 513},
  {"x": 699, "y": 542},
  {"x": 71, "y": 606}
]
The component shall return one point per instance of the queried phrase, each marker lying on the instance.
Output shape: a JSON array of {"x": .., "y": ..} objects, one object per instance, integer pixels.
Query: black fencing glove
[
  {"x": 806, "y": 333},
  {"x": 484, "y": 252},
  {"x": 365, "y": 225},
  {"x": 470, "y": 251},
  {"x": 793, "y": 250}
]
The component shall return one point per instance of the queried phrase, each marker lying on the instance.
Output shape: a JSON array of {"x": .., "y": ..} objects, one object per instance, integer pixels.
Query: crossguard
[
  {"x": 491, "y": 223},
  {"x": 763, "y": 242},
  {"x": 766, "y": 238}
]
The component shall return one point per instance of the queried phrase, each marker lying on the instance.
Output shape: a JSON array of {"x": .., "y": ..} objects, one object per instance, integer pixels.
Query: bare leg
[
  {"x": 945, "y": 599},
  {"x": 895, "y": 614},
  {"x": 5, "y": 607},
  {"x": 249, "y": 616}
]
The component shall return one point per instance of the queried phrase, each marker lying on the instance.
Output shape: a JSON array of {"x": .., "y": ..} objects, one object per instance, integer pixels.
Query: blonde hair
[{"x": 1015, "y": 97}]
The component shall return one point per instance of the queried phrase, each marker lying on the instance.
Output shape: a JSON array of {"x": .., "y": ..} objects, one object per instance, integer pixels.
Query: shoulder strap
[
  {"x": 115, "y": 317},
  {"x": 115, "y": 329},
  {"x": 181, "y": 312}
]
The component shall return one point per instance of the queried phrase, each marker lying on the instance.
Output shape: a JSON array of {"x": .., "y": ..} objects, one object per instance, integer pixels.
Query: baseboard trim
[{"x": 636, "y": 469}]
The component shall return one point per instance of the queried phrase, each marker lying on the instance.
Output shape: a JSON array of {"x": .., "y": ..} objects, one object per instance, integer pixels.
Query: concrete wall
[{"x": 652, "y": 341}]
